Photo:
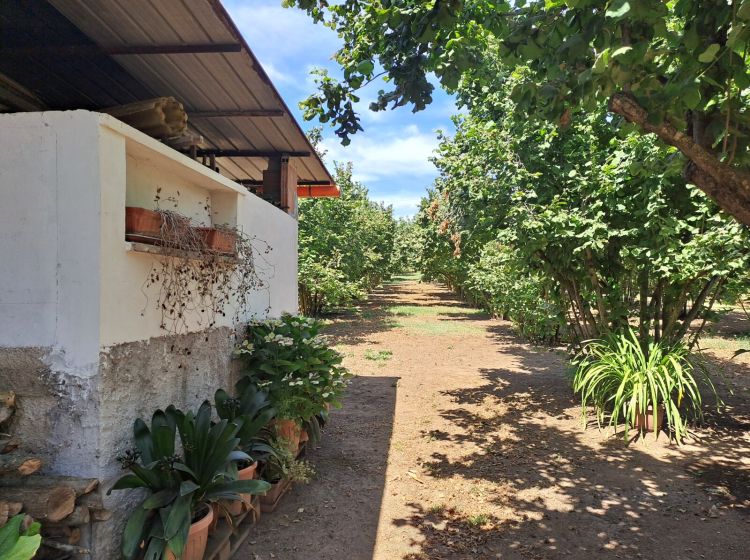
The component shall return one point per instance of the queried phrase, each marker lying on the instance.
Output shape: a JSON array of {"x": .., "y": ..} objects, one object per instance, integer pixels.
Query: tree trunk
[{"x": 728, "y": 186}]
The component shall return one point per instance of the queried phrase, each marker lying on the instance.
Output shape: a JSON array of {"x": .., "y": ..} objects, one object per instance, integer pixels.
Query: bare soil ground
[{"x": 457, "y": 441}]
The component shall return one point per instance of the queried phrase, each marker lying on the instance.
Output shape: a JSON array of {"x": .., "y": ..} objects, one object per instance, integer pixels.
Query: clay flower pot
[
  {"x": 271, "y": 499},
  {"x": 142, "y": 223},
  {"x": 158, "y": 228},
  {"x": 645, "y": 422},
  {"x": 236, "y": 507},
  {"x": 248, "y": 473},
  {"x": 219, "y": 240},
  {"x": 215, "y": 520},
  {"x": 197, "y": 539},
  {"x": 290, "y": 431}
]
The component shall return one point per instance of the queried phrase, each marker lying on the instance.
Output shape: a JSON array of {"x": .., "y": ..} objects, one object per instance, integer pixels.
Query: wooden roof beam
[
  {"x": 248, "y": 153},
  {"x": 301, "y": 183},
  {"x": 237, "y": 113},
  {"x": 93, "y": 49}
]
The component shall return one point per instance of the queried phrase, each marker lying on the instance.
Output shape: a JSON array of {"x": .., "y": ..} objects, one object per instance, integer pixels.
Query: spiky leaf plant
[{"x": 621, "y": 379}]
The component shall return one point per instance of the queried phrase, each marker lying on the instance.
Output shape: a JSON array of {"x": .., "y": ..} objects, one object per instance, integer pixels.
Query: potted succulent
[
  {"x": 253, "y": 409},
  {"x": 173, "y": 521},
  {"x": 281, "y": 470},
  {"x": 640, "y": 385}
]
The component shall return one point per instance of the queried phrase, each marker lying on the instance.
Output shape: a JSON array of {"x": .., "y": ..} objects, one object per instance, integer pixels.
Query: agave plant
[
  {"x": 179, "y": 483},
  {"x": 621, "y": 379}
]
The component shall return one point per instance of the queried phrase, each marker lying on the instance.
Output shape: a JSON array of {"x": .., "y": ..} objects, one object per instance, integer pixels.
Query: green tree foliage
[
  {"x": 407, "y": 246},
  {"x": 345, "y": 246},
  {"x": 674, "y": 68},
  {"x": 575, "y": 231}
]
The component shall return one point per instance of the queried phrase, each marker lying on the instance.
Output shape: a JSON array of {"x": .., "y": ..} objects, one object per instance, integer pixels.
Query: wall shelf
[{"x": 139, "y": 247}]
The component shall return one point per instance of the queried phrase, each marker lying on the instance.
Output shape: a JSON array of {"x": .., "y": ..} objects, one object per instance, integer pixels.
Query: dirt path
[{"x": 459, "y": 442}]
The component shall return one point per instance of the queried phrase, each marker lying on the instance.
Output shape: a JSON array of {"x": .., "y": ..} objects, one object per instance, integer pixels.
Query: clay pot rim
[
  {"x": 204, "y": 521},
  {"x": 252, "y": 466}
]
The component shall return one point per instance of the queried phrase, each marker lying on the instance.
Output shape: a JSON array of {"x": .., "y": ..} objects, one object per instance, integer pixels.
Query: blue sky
[{"x": 391, "y": 155}]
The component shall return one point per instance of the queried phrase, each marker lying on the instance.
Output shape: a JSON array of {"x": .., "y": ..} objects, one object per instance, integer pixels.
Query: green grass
[
  {"x": 478, "y": 520},
  {"x": 405, "y": 277},
  {"x": 437, "y": 508},
  {"x": 731, "y": 343},
  {"x": 379, "y": 356},
  {"x": 432, "y": 311},
  {"x": 435, "y": 319},
  {"x": 440, "y": 328}
]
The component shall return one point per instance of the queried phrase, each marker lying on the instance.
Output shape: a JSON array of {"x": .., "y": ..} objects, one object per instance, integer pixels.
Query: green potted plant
[
  {"x": 289, "y": 358},
  {"x": 253, "y": 409},
  {"x": 173, "y": 521},
  {"x": 18, "y": 542},
  {"x": 281, "y": 470},
  {"x": 640, "y": 385}
]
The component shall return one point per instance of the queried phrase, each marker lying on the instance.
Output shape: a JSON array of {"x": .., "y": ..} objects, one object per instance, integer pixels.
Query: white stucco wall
[
  {"x": 49, "y": 235},
  {"x": 80, "y": 341},
  {"x": 67, "y": 278}
]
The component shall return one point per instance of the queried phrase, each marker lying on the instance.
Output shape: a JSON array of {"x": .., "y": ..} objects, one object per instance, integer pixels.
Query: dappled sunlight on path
[{"x": 458, "y": 441}]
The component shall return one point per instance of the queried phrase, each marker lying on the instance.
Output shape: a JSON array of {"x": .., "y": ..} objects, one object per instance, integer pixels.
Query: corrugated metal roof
[{"x": 220, "y": 81}]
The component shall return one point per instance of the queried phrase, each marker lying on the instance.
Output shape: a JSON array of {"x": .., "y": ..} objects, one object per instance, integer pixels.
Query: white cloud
[
  {"x": 404, "y": 203},
  {"x": 394, "y": 154},
  {"x": 276, "y": 75},
  {"x": 276, "y": 33}
]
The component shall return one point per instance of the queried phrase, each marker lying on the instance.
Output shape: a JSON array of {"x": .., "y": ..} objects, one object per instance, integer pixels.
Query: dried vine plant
[{"x": 199, "y": 285}]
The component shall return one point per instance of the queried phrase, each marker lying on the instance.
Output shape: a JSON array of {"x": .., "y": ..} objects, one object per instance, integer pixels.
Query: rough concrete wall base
[
  {"x": 82, "y": 425},
  {"x": 57, "y": 411}
]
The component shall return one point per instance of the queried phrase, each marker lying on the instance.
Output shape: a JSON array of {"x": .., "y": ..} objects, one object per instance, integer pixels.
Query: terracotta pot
[
  {"x": 644, "y": 422},
  {"x": 141, "y": 222},
  {"x": 215, "y": 521},
  {"x": 290, "y": 431},
  {"x": 248, "y": 473},
  {"x": 195, "y": 547},
  {"x": 219, "y": 240},
  {"x": 271, "y": 499}
]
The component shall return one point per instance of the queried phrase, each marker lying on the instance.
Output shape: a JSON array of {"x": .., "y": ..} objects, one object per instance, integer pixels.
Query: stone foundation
[{"x": 79, "y": 424}]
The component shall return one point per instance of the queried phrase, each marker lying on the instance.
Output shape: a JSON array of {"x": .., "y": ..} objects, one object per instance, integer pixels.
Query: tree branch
[{"x": 727, "y": 185}]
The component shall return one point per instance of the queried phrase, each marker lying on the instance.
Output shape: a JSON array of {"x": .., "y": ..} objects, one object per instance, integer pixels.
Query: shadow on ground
[
  {"x": 336, "y": 516},
  {"x": 568, "y": 496}
]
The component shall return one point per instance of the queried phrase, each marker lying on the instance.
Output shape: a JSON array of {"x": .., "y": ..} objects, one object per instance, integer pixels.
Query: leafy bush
[
  {"x": 345, "y": 246},
  {"x": 290, "y": 359},
  {"x": 501, "y": 285},
  {"x": 323, "y": 287},
  {"x": 621, "y": 380},
  {"x": 584, "y": 226},
  {"x": 17, "y": 543},
  {"x": 283, "y": 465}
]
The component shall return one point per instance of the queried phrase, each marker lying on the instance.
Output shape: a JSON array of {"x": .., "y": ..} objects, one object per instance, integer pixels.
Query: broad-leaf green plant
[
  {"x": 17, "y": 543},
  {"x": 289, "y": 358},
  {"x": 182, "y": 481},
  {"x": 253, "y": 407}
]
